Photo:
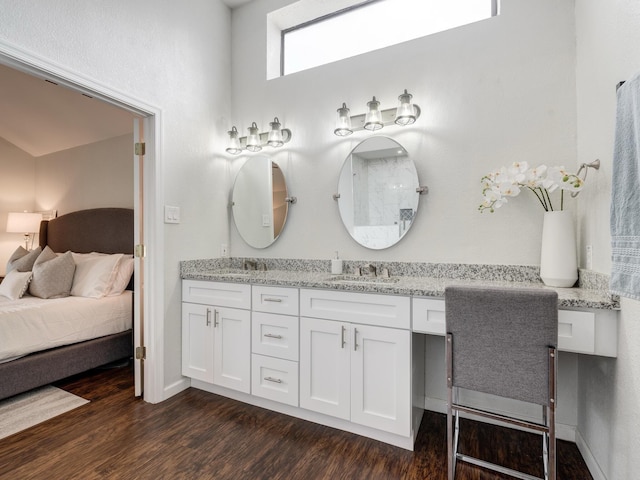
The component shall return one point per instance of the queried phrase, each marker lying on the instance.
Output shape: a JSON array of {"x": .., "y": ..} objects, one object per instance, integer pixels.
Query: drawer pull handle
[
  {"x": 271, "y": 335},
  {"x": 208, "y": 317},
  {"x": 216, "y": 318},
  {"x": 274, "y": 380},
  {"x": 343, "y": 340},
  {"x": 355, "y": 339},
  {"x": 269, "y": 299}
]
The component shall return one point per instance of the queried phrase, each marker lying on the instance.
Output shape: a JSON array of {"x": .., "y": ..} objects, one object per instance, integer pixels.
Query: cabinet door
[
  {"x": 381, "y": 378},
  {"x": 324, "y": 367},
  {"x": 197, "y": 341},
  {"x": 232, "y": 348}
]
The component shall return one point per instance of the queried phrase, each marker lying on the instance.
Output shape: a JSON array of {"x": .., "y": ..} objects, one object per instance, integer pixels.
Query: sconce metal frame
[
  {"x": 388, "y": 117},
  {"x": 238, "y": 145}
]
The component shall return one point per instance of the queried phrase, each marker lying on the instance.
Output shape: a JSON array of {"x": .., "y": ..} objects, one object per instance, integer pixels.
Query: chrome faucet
[
  {"x": 370, "y": 269},
  {"x": 250, "y": 265}
]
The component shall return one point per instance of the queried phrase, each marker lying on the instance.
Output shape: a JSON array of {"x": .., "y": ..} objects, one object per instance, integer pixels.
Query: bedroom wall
[
  {"x": 90, "y": 176},
  {"x": 175, "y": 58},
  {"x": 491, "y": 93},
  {"x": 17, "y": 194},
  {"x": 608, "y": 51}
]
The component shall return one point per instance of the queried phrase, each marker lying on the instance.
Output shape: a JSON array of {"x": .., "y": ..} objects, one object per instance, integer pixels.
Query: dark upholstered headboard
[{"x": 105, "y": 230}]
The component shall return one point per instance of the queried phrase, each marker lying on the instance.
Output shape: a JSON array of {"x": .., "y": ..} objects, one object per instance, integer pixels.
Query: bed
[{"x": 105, "y": 230}]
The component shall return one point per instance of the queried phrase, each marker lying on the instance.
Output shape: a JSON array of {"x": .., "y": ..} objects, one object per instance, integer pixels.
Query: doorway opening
[{"x": 149, "y": 297}]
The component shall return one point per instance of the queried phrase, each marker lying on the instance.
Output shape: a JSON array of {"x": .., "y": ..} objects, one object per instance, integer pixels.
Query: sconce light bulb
[
  {"x": 373, "y": 119},
  {"x": 405, "y": 114},
  {"x": 234, "y": 147},
  {"x": 253, "y": 140},
  {"x": 275, "y": 134},
  {"x": 343, "y": 123}
]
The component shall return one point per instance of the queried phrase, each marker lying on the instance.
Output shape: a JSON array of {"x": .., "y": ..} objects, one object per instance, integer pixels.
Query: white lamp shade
[{"x": 23, "y": 222}]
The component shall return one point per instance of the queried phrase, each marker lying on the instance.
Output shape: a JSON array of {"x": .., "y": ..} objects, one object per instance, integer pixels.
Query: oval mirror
[
  {"x": 378, "y": 200},
  {"x": 259, "y": 201}
]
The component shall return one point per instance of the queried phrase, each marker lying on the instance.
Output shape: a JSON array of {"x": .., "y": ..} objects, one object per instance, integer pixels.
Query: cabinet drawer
[
  {"x": 275, "y": 379},
  {"x": 275, "y": 300},
  {"x": 235, "y": 295},
  {"x": 428, "y": 316},
  {"x": 370, "y": 309},
  {"x": 576, "y": 331},
  {"x": 275, "y": 335}
]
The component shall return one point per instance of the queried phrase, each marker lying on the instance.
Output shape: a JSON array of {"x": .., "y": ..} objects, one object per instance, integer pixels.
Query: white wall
[
  {"x": 17, "y": 194},
  {"x": 608, "y": 51},
  {"x": 169, "y": 55},
  {"x": 90, "y": 176},
  {"x": 491, "y": 93}
]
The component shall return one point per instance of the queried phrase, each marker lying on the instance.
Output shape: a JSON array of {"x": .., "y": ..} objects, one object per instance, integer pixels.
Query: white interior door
[{"x": 138, "y": 237}]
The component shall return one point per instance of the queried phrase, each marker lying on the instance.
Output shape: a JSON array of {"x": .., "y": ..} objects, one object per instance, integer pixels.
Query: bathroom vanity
[{"x": 343, "y": 351}]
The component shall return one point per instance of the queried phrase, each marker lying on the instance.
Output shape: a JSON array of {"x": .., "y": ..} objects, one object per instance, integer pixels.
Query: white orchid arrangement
[{"x": 507, "y": 182}]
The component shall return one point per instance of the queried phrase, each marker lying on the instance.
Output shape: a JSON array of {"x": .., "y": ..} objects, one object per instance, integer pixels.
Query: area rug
[{"x": 28, "y": 409}]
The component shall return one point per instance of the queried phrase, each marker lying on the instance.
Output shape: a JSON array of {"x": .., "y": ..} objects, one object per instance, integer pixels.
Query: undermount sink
[{"x": 368, "y": 280}]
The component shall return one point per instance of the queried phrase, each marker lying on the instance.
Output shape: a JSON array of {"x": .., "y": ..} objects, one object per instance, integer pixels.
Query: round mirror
[
  {"x": 377, "y": 192},
  {"x": 259, "y": 201}
]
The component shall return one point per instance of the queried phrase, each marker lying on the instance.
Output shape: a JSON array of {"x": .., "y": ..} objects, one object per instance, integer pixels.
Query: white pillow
[
  {"x": 15, "y": 284},
  {"x": 95, "y": 273},
  {"x": 124, "y": 270}
]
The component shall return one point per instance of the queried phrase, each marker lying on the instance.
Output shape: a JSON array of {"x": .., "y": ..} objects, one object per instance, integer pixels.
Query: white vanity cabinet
[
  {"x": 216, "y": 333},
  {"x": 352, "y": 368},
  {"x": 274, "y": 344},
  {"x": 592, "y": 332}
]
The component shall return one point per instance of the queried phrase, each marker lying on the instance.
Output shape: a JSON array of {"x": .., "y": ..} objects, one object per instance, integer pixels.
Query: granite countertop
[{"x": 409, "y": 281}]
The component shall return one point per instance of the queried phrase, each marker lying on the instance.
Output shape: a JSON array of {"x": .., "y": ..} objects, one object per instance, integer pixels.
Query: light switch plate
[{"x": 171, "y": 214}]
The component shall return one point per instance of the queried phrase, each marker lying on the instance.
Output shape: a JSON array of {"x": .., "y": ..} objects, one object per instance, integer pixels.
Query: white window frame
[{"x": 306, "y": 13}]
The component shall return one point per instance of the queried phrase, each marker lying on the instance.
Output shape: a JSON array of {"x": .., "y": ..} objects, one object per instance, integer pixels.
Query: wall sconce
[
  {"x": 26, "y": 223},
  {"x": 405, "y": 113},
  {"x": 276, "y": 137}
]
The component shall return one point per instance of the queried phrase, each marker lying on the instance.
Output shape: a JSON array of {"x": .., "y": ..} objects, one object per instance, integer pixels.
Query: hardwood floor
[{"x": 197, "y": 435}]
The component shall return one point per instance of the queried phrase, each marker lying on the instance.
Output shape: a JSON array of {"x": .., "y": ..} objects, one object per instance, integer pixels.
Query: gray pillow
[
  {"x": 52, "y": 275},
  {"x": 22, "y": 260}
]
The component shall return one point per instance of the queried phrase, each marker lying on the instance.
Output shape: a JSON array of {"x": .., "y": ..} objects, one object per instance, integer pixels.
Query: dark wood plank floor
[{"x": 197, "y": 435}]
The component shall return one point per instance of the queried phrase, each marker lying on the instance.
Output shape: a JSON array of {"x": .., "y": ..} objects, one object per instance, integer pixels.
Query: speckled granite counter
[{"x": 411, "y": 279}]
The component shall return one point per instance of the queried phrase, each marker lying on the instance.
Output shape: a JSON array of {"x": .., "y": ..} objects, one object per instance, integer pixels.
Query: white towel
[{"x": 625, "y": 193}]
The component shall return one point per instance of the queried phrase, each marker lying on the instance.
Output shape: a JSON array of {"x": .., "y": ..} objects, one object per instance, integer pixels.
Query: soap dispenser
[{"x": 336, "y": 265}]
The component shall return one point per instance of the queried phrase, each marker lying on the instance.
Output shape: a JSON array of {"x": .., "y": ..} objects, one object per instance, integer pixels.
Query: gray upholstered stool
[{"x": 502, "y": 341}]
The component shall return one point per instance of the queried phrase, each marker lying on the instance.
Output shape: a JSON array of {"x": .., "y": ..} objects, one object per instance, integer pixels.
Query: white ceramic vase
[{"x": 558, "y": 255}]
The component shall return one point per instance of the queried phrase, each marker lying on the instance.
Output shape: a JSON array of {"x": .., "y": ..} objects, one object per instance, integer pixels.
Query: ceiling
[
  {"x": 235, "y": 3},
  {"x": 40, "y": 117}
]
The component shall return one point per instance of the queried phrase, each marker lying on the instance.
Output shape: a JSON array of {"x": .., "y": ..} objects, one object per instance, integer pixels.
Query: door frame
[{"x": 153, "y": 194}]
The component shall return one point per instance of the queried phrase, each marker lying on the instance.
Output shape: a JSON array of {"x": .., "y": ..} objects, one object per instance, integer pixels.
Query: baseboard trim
[
  {"x": 589, "y": 458},
  {"x": 175, "y": 388}
]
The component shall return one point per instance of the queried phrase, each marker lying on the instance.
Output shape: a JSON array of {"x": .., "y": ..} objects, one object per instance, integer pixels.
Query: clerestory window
[{"x": 371, "y": 25}]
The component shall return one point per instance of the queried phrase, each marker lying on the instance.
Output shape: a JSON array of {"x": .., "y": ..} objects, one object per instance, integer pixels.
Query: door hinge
[
  {"x": 141, "y": 353},
  {"x": 141, "y": 251},
  {"x": 139, "y": 148}
]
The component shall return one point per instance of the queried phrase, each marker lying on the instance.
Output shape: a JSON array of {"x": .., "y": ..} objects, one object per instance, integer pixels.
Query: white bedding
[{"x": 32, "y": 324}]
